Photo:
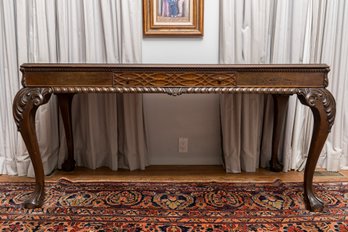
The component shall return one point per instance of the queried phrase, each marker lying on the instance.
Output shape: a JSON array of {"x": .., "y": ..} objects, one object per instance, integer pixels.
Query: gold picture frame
[{"x": 173, "y": 17}]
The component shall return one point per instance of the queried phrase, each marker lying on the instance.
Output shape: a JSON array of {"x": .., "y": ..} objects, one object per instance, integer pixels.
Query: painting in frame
[{"x": 173, "y": 17}]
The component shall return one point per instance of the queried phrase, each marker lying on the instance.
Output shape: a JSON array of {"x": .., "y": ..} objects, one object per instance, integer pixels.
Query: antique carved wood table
[{"x": 308, "y": 82}]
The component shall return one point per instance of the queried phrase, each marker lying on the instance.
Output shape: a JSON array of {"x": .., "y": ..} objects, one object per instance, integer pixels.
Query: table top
[
  {"x": 84, "y": 77},
  {"x": 30, "y": 66}
]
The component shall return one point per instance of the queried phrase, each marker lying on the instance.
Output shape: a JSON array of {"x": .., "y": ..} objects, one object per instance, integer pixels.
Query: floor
[{"x": 182, "y": 173}]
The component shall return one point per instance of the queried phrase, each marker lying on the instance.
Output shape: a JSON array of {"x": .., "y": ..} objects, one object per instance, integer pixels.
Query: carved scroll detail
[
  {"x": 35, "y": 96},
  {"x": 169, "y": 79},
  {"x": 313, "y": 97}
]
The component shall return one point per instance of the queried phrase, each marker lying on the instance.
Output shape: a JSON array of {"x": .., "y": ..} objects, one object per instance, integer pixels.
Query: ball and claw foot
[
  {"x": 69, "y": 165},
  {"x": 276, "y": 166},
  {"x": 35, "y": 200},
  {"x": 314, "y": 204}
]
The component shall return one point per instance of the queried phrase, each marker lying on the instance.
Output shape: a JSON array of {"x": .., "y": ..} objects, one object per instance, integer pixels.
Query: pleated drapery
[
  {"x": 108, "y": 129},
  {"x": 296, "y": 31}
]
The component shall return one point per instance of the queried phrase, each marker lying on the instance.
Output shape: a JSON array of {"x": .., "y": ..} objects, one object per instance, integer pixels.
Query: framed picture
[{"x": 173, "y": 17}]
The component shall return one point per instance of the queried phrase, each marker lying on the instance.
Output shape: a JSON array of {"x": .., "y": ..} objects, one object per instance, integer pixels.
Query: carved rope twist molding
[
  {"x": 313, "y": 97},
  {"x": 37, "y": 96},
  {"x": 174, "y": 91}
]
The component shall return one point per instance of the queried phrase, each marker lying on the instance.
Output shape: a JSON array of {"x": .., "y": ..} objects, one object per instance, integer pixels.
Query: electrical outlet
[{"x": 183, "y": 145}]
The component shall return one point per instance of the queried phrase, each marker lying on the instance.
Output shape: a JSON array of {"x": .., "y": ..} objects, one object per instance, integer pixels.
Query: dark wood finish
[
  {"x": 64, "y": 102},
  {"x": 280, "y": 107},
  {"x": 25, "y": 105},
  {"x": 322, "y": 105},
  {"x": 308, "y": 82}
]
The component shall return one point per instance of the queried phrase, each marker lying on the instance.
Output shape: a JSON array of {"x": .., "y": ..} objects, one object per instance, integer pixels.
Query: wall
[{"x": 193, "y": 116}]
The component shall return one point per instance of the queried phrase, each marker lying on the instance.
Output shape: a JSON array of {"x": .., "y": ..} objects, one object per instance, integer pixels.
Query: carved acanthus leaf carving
[
  {"x": 314, "y": 97},
  {"x": 27, "y": 96},
  {"x": 174, "y": 91}
]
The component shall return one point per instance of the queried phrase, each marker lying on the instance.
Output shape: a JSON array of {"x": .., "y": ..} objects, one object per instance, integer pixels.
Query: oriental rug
[{"x": 168, "y": 206}]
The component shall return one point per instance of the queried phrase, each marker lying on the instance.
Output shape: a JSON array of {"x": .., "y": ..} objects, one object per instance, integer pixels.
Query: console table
[{"x": 308, "y": 82}]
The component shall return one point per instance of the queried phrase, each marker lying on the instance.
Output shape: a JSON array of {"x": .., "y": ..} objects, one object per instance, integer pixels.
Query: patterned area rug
[{"x": 173, "y": 207}]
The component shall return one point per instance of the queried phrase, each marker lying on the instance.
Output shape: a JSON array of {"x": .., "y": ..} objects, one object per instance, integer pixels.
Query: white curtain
[
  {"x": 108, "y": 128},
  {"x": 291, "y": 31}
]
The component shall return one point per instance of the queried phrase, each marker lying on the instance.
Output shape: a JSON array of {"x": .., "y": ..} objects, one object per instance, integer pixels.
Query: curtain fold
[
  {"x": 298, "y": 31},
  {"x": 9, "y": 84},
  {"x": 75, "y": 32},
  {"x": 243, "y": 35}
]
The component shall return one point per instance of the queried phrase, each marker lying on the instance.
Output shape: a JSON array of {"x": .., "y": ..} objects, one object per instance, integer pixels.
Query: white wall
[{"x": 193, "y": 116}]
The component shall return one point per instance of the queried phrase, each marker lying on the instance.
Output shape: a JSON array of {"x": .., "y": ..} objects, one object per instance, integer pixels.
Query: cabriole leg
[
  {"x": 323, "y": 107},
  {"x": 280, "y": 107},
  {"x": 25, "y": 105},
  {"x": 64, "y": 102}
]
